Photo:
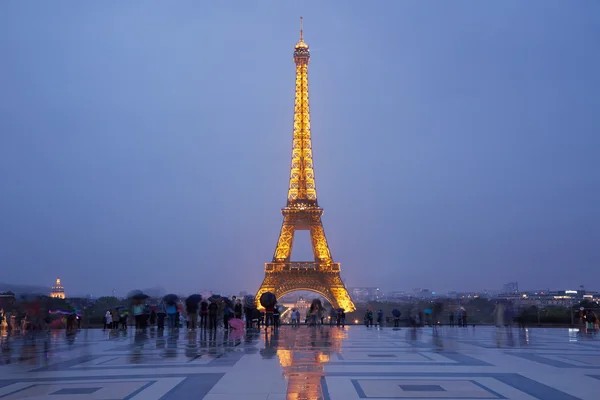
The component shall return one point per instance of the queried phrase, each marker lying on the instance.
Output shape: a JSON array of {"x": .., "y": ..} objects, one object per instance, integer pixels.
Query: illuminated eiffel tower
[{"x": 302, "y": 212}]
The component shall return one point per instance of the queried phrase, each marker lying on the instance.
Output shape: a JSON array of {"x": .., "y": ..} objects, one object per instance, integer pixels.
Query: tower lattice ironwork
[{"x": 302, "y": 212}]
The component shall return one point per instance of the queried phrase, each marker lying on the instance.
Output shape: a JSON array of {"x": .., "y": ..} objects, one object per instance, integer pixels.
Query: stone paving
[{"x": 303, "y": 363}]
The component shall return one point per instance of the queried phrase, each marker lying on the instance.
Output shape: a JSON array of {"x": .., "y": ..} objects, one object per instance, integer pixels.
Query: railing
[{"x": 302, "y": 266}]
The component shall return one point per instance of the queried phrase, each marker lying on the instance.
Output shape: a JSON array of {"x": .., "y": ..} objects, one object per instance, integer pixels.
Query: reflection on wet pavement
[{"x": 302, "y": 363}]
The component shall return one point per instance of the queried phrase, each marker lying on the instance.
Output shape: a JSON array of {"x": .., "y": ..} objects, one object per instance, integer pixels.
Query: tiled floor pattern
[{"x": 303, "y": 363}]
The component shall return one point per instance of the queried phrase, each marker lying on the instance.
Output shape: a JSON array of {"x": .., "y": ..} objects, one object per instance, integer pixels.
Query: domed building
[{"x": 58, "y": 291}]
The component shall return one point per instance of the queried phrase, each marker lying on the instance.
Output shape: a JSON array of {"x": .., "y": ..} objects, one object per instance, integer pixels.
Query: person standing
[
  {"x": 248, "y": 316},
  {"x": 269, "y": 315},
  {"x": 153, "y": 317},
  {"x": 138, "y": 315},
  {"x": 203, "y": 314},
  {"x": 161, "y": 314},
  {"x": 172, "y": 315},
  {"x": 116, "y": 318},
  {"x": 276, "y": 315},
  {"x": 237, "y": 309},
  {"x": 192, "y": 312},
  {"x": 213, "y": 310},
  {"x": 341, "y": 318},
  {"x": 369, "y": 318},
  {"x": 123, "y": 320},
  {"x": 107, "y": 320},
  {"x": 380, "y": 318}
]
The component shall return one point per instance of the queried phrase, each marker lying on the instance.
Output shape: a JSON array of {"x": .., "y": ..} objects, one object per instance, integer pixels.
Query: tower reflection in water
[{"x": 302, "y": 353}]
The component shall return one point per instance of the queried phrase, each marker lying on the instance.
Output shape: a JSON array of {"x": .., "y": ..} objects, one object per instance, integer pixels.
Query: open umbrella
[
  {"x": 428, "y": 311},
  {"x": 139, "y": 296},
  {"x": 227, "y": 301},
  {"x": 249, "y": 301},
  {"x": 236, "y": 324},
  {"x": 170, "y": 298},
  {"x": 193, "y": 299},
  {"x": 268, "y": 299},
  {"x": 134, "y": 292},
  {"x": 214, "y": 298},
  {"x": 396, "y": 313}
]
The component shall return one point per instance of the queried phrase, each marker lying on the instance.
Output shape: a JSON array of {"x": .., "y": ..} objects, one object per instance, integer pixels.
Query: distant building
[
  {"x": 58, "y": 291},
  {"x": 364, "y": 294},
  {"x": 511, "y": 287}
]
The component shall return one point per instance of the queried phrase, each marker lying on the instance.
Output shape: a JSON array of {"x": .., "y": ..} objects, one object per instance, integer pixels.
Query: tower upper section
[{"x": 302, "y": 189}]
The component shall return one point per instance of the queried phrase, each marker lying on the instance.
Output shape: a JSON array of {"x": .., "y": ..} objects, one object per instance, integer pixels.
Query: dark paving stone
[
  {"x": 422, "y": 388},
  {"x": 76, "y": 391}
]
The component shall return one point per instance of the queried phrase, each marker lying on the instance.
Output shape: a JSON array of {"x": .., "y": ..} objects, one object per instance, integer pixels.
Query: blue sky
[{"x": 148, "y": 143}]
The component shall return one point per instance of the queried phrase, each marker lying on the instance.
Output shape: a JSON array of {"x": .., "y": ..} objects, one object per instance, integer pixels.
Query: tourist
[
  {"x": 71, "y": 321},
  {"x": 464, "y": 318},
  {"x": 276, "y": 315},
  {"x": 397, "y": 319},
  {"x": 203, "y": 314},
  {"x": 257, "y": 317},
  {"x": 295, "y": 318},
  {"x": 116, "y": 318},
  {"x": 138, "y": 315},
  {"x": 192, "y": 312},
  {"x": 172, "y": 315},
  {"x": 248, "y": 315},
  {"x": 341, "y": 317},
  {"x": 332, "y": 316},
  {"x": 269, "y": 315},
  {"x": 380, "y": 318},
  {"x": 161, "y": 314},
  {"x": 124, "y": 317},
  {"x": 451, "y": 318},
  {"x": 24, "y": 323},
  {"x": 153, "y": 317},
  {"x": 313, "y": 312},
  {"x": 590, "y": 321},
  {"x": 227, "y": 315},
  {"x": 369, "y": 318},
  {"x": 107, "y": 320},
  {"x": 237, "y": 309},
  {"x": 213, "y": 310}
]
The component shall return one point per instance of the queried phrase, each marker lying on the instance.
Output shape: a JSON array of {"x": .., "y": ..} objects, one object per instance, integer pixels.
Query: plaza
[{"x": 303, "y": 363}]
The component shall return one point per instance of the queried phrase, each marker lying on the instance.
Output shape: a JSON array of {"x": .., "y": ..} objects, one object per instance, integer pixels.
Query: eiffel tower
[{"x": 302, "y": 212}]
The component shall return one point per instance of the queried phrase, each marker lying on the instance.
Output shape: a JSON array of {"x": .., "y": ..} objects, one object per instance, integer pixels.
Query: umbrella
[
  {"x": 134, "y": 293},
  {"x": 171, "y": 298},
  {"x": 236, "y": 324},
  {"x": 119, "y": 307},
  {"x": 249, "y": 301},
  {"x": 193, "y": 299},
  {"x": 268, "y": 299},
  {"x": 137, "y": 295},
  {"x": 214, "y": 298},
  {"x": 396, "y": 313},
  {"x": 60, "y": 312},
  {"x": 227, "y": 301},
  {"x": 428, "y": 311}
]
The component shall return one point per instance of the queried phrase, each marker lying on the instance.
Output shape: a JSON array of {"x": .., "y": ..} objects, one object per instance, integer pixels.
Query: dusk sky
[{"x": 146, "y": 143}]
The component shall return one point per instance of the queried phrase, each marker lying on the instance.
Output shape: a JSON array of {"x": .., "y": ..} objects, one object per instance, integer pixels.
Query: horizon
[{"x": 454, "y": 145}]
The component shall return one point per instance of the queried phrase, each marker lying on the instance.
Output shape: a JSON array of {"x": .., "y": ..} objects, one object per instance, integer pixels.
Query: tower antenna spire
[{"x": 301, "y": 31}]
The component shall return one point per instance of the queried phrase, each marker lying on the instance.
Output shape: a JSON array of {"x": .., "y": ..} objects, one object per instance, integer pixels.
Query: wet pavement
[{"x": 303, "y": 363}]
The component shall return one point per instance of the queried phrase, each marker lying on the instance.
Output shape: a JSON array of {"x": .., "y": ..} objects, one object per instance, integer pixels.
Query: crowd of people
[{"x": 210, "y": 315}]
